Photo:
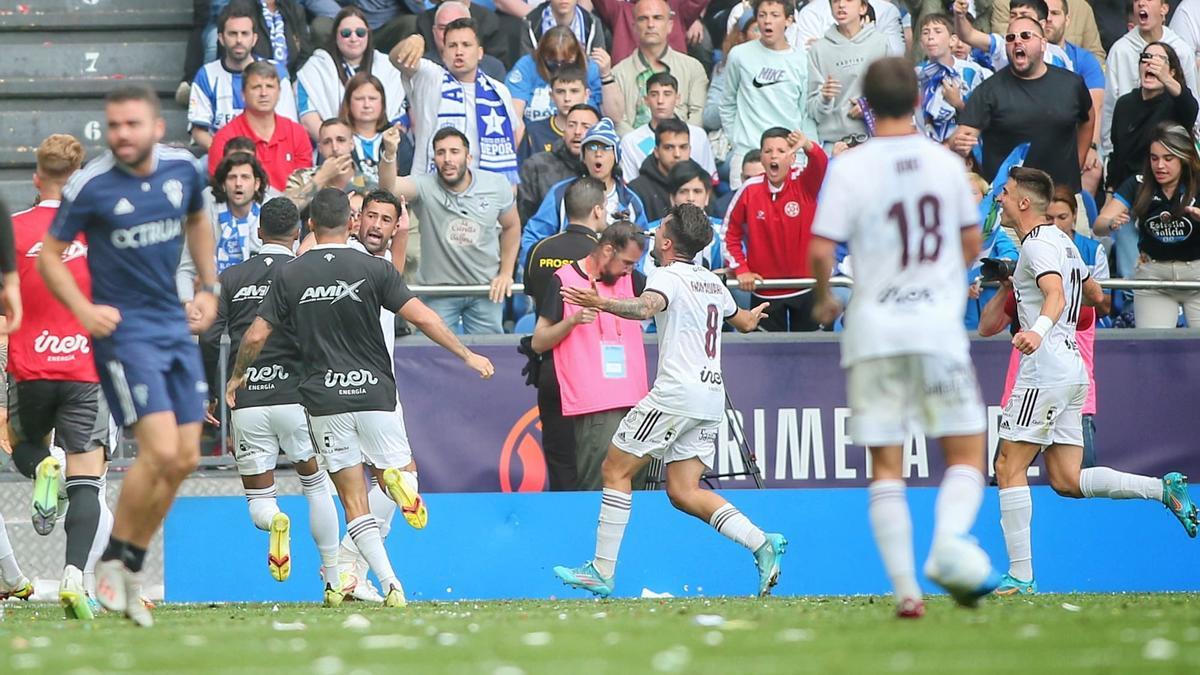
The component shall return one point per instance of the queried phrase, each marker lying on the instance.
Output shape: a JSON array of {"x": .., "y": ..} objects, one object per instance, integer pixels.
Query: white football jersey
[
  {"x": 689, "y": 380},
  {"x": 1057, "y": 362},
  {"x": 910, "y": 282},
  {"x": 387, "y": 320}
]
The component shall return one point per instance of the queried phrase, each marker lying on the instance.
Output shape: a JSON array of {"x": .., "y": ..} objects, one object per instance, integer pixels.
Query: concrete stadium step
[
  {"x": 92, "y": 15},
  {"x": 24, "y": 123},
  {"x": 90, "y": 64}
]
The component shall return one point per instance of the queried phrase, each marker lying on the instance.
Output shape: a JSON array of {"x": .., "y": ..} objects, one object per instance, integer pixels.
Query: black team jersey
[
  {"x": 274, "y": 377},
  {"x": 332, "y": 295}
]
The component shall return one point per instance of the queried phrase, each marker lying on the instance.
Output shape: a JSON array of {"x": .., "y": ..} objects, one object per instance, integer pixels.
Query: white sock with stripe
[
  {"x": 734, "y": 524},
  {"x": 364, "y": 530},
  {"x": 384, "y": 509},
  {"x": 614, "y": 516},
  {"x": 263, "y": 506},
  {"x": 1102, "y": 481},
  {"x": 1016, "y": 516},
  {"x": 891, "y": 524}
]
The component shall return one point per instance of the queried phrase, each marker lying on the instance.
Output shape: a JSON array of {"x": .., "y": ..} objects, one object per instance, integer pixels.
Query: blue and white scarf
[
  {"x": 577, "y": 26},
  {"x": 234, "y": 236},
  {"x": 939, "y": 115},
  {"x": 274, "y": 21},
  {"x": 497, "y": 146}
]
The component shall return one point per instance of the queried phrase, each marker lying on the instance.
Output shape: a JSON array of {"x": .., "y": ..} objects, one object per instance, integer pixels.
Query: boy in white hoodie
[{"x": 836, "y": 64}]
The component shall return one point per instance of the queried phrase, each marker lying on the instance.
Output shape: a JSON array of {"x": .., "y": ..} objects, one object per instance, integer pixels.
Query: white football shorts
[
  {"x": 374, "y": 437},
  {"x": 647, "y": 431},
  {"x": 259, "y": 433},
  {"x": 1045, "y": 416},
  {"x": 893, "y": 397}
]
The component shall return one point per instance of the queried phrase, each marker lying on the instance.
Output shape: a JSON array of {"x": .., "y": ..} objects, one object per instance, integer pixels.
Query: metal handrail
[{"x": 806, "y": 283}]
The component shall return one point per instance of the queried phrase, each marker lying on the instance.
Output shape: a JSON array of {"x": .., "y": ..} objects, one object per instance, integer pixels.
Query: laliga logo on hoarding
[{"x": 522, "y": 455}]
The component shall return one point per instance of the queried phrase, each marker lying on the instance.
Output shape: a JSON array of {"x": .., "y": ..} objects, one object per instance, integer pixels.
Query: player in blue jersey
[{"x": 136, "y": 203}]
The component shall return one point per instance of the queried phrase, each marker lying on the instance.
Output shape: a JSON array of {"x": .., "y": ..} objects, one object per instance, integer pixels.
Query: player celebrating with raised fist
[
  {"x": 680, "y": 419},
  {"x": 1045, "y": 410}
]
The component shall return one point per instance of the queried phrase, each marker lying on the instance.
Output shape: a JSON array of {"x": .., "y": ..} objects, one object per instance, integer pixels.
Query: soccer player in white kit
[
  {"x": 680, "y": 419},
  {"x": 1045, "y": 411},
  {"x": 905, "y": 351}
]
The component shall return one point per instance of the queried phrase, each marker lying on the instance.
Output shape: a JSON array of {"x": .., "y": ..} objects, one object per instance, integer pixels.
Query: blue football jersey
[{"x": 134, "y": 229}]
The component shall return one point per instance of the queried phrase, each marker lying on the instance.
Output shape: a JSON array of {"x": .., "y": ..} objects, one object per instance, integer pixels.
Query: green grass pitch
[{"x": 1131, "y": 633}]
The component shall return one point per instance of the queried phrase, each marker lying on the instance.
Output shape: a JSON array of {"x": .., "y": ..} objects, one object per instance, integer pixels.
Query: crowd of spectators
[{"x": 481, "y": 115}]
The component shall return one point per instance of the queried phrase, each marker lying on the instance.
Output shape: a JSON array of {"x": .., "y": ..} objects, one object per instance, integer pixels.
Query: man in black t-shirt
[
  {"x": 331, "y": 297},
  {"x": 1029, "y": 101},
  {"x": 268, "y": 417}
]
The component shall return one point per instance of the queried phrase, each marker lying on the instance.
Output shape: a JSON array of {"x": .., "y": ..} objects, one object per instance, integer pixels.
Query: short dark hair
[
  {"x": 1038, "y": 6},
  {"x": 621, "y": 234},
  {"x": 238, "y": 9},
  {"x": 685, "y": 172},
  {"x": 264, "y": 69},
  {"x": 381, "y": 197},
  {"x": 789, "y": 8},
  {"x": 135, "y": 92},
  {"x": 329, "y": 210},
  {"x": 671, "y": 125},
  {"x": 465, "y": 23},
  {"x": 581, "y": 196},
  {"x": 689, "y": 227},
  {"x": 938, "y": 18},
  {"x": 450, "y": 132},
  {"x": 663, "y": 79},
  {"x": 890, "y": 87},
  {"x": 773, "y": 132},
  {"x": 227, "y": 164},
  {"x": 751, "y": 157},
  {"x": 239, "y": 144},
  {"x": 1035, "y": 183},
  {"x": 333, "y": 121},
  {"x": 569, "y": 74},
  {"x": 588, "y": 107},
  {"x": 278, "y": 218}
]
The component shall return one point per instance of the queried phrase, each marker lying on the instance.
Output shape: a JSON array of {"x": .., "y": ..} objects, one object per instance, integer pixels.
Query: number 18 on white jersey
[{"x": 901, "y": 204}]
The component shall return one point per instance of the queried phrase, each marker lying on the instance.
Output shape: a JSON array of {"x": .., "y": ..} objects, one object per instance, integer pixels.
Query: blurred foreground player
[
  {"x": 680, "y": 419},
  {"x": 906, "y": 354},
  {"x": 135, "y": 204}
]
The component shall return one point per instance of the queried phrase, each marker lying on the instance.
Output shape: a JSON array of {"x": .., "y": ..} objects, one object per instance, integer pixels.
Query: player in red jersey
[{"x": 54, "y": 386}]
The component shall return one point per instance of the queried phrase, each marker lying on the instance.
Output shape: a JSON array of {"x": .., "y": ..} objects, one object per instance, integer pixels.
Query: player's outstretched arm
[
  {"x": 252, "y": 343},
  {"x": 428, "y": 322},
  {"x": 1094, "y": 296},
  {"x": 98, "y": 320},
  {"x": 640, "y": 308},
  {"x": 746, "y": 321},
  {"x": 202, "y": 310}
]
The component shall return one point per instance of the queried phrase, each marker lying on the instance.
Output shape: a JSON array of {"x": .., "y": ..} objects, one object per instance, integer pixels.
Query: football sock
[
  {"x": 323, "y": 521},
  {"x": 1102, "y": 481},
  {"x": 1016, "y": 514},
  {"x": 263, "y": 506},
  {"x": 10, "y": 572},
  {"x": 83, "y": 518},
  {"x": 365, "y": 533},
  {"x": 734, "y": 524},
  {"x": 383, "y": 508},
  {"x": 103, "y": 531},
  {"x": 958, "y": 501},
  {"x": 614, "y": 516},
  {"x": 133, "y": 557},
  {"x": 891, "y": 524}
]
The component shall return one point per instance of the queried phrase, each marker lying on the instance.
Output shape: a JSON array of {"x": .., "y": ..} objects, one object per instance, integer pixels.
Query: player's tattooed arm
[
  {"x": 252, "y": 344},
  {"x": 640, "y": 308}
]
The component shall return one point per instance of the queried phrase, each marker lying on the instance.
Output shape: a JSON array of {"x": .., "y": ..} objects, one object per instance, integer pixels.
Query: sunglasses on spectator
[
  {"x": 1024, "y": 35},
  {"x": 1144, "y": 57},
  {"x": 347, "y": 32}
]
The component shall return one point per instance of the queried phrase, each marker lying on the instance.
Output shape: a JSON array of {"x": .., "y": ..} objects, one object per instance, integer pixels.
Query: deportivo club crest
[{"x": 173, "y": 189}]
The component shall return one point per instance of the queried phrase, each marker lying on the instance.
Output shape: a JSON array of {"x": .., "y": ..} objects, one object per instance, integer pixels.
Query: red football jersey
[{"x": 51, "y": 343}]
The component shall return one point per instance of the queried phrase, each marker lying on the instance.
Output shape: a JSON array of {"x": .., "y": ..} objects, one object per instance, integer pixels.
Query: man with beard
[
  {"x": 335, "y": 142},
  {"x": 216, "y": 93},
  {"x": 1058, "y": 127},
  {"x": 768, "y": 227},
  {"x": 281, "y": 145},
  {"x": 233, "y": 202},
  {"x": 599, "y": 360},
  {"x": 138, "y": 204},
  {"x": 469, "y": 233}
]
